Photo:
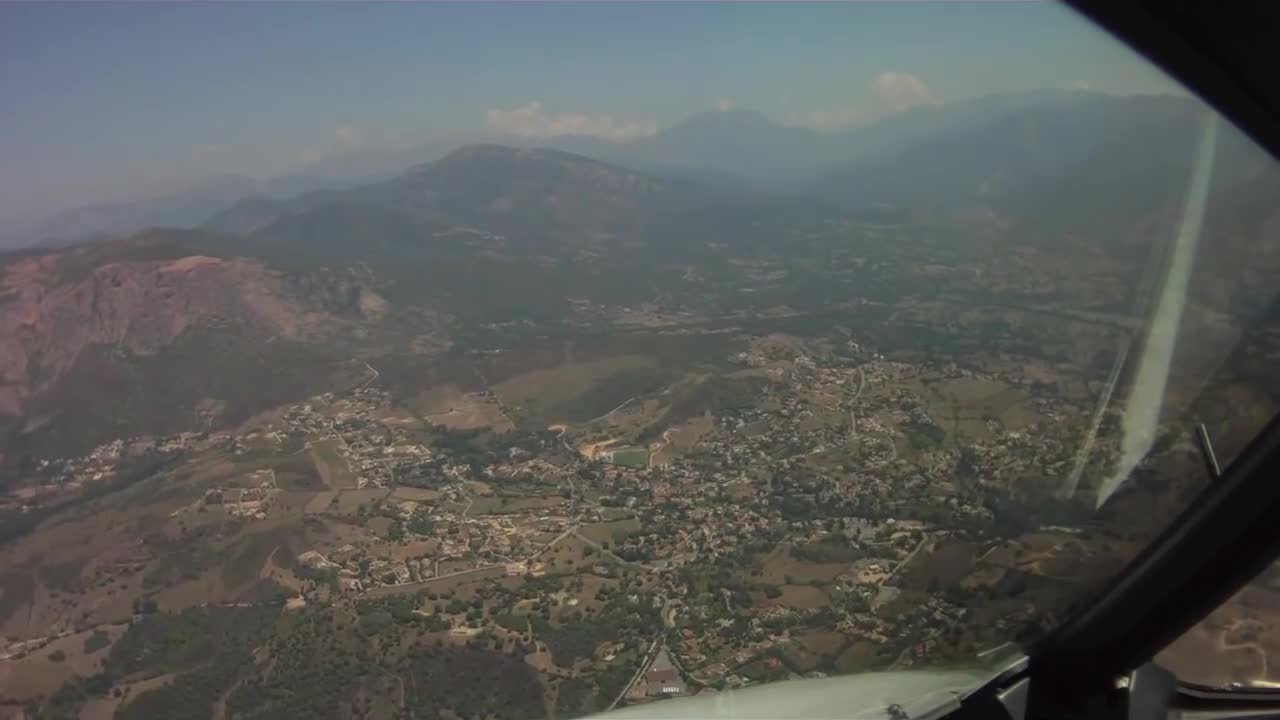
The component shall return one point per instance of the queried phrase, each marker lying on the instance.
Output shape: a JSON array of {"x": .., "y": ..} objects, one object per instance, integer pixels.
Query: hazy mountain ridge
[
  {"x": 1035, "y": 150},
  {"x": 186, "y": 207},
  {"x": 734, "y": 149},
  {"x": 744, "y": 147},
  {"x": 1049, "y": 154},
  {"x": 527, "y": 192},
  {"x": 494, "y": 234}
]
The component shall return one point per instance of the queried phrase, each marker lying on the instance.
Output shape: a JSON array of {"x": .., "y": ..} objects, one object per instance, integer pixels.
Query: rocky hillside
[{"x": 104, "y": 317}]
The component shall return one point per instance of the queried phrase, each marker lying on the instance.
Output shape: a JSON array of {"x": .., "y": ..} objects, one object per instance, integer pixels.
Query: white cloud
[
  {"x": 898, "y": 91},
  {"x": 723, "y": 104},
  {"x": 530, "y": 120},
  {"x": 893, "y": 92},
  {"x": 344, "y": 135},
  {"x": 1082, "y": 85}
]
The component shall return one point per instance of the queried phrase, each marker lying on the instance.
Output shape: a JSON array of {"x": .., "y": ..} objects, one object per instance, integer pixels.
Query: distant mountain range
[
  {"x": 1079, "y": 160},
  {"x": 744, "y": 147},
  {"x": 731, "y": 146},
  {"x": 492, "y": 236},
  {"x": 529, "y": 193},
  {"x": 186, "y": 207},
  {"x": 196, "y": 202},
  {"x": 733, "y": 149}
]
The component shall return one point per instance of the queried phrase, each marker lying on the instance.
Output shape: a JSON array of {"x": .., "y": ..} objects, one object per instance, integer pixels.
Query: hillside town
[{"x": 792, "y": 535}]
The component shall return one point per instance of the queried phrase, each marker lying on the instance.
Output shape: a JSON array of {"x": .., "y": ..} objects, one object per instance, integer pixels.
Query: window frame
[
  {"x": 1176, "y": 581},
  {"x": 1216, "y": 52}
]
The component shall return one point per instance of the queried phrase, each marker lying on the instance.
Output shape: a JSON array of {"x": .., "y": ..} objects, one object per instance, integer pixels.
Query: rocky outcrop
[{"x": 51, "y": 310}]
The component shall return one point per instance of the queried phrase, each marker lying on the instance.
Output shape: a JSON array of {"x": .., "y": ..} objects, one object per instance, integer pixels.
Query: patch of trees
[
  {"x": 421, "y": 523},
  {"x": 471, "y": 682},
  {"x": 924, "y": 436},
  {"x": 512, "y": 622},
  {"x": 212, "y": 644},
  {"x": 619, "y": 619},
  {"x": 182, "y": 559},
  {"x": 16, "y": 524},
  {"x": 315, "y": 670},
  {"x": 827, "y": 551},
  {"x": 572, "y": 698},
  {"x": 465, "y": 447},
  {"x": 718, "y": 395},
  {"x": 167, "y": 643},
  {"x": 609, "y": 684},
  {"x": 96, "y": 641},
  {"x": 796, "y": 507},
  {"x": 394, "y": 613},
  {"x": 66, "y": 702}
]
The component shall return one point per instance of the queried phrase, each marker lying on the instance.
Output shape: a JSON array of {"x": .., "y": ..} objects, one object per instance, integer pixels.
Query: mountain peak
[
  {"x": 493, "y": 151},
  {"x": 472, "y": 150},
  {"x": 503, "y": 159}
]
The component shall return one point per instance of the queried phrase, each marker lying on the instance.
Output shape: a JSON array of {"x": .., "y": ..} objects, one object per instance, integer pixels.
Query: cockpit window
[
  {"x": 1235, "y": 647},
  {"x": 534, "y": 361}
]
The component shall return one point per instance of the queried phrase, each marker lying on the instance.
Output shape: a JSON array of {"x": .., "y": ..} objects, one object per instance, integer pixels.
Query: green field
[{"x": 632, "y": 457}]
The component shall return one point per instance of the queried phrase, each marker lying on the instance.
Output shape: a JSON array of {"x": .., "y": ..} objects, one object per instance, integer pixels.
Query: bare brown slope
[
  {"x": 163, "y": 332},
  {"x": 140, "y": 305}
]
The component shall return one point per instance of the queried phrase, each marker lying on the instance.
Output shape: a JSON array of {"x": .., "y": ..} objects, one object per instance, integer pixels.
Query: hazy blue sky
[{"x": 108, "y": 101}]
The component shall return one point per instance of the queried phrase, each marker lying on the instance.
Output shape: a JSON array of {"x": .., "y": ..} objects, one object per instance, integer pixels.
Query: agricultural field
[
  {"x": 414, "y": 494},
  {"x": 349, "y": 502},
  {"x": 610, "y": 532},
  {"x": 578, "y": 392},
  {"x": 781, "y": 567},
  {"x": 801, "y": 597},
  {"x": 450, "y": 407},
  {"x": 334, "y": 469},
  {"x": 513, "y": 504}
]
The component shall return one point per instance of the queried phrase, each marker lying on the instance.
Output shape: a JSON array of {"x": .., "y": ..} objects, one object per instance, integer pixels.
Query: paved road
[
  {"x": 563, "y": 429},
  {"x": 904, "y": 562},
  {"x": 376, "y": 375},
  {"x": 658, "y": 643},
  {"x": 502, "y": 408},
  {"x": 624, "y": 404}
]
